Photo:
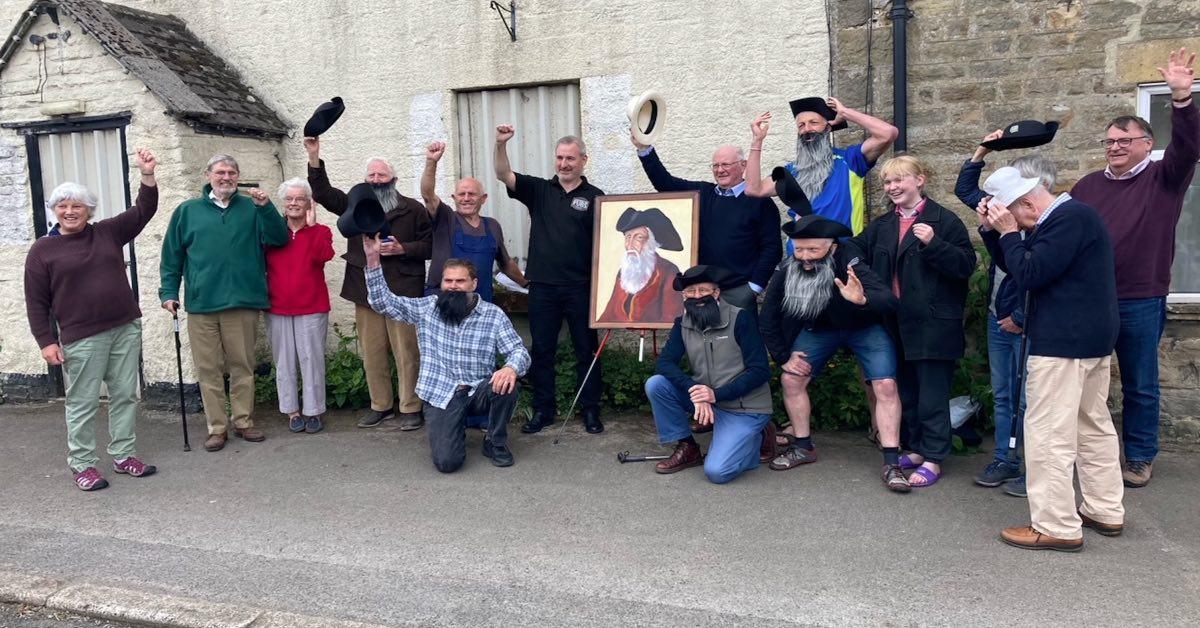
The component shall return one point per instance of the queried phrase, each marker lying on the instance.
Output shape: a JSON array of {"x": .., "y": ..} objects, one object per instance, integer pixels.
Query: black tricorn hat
[
  {"x": 1024, "y": 134},
  {"x": 654, "y": 220},
  {"x": 814, "y": 226},
  {"x": 364, "y": 214},
  {"x": 324, "y": 117},
  {"x": 789, "y": 191},
  {"x": 706, "y": 273},
  {"x": 816, "y": 104}
]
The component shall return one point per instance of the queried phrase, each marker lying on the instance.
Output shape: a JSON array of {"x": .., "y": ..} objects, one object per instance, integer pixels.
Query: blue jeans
[
  {"x": 736, "y": 440},
  {"x": 1142, "y": 323},
  {"x": 1004, "y": 350},
  {"x": 872, "y": 346}
]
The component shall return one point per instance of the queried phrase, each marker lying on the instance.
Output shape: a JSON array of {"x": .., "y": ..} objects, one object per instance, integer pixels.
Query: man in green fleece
[{"x": 215, "y": 244}]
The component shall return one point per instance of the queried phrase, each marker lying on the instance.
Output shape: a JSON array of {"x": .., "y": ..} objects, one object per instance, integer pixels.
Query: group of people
[{"x": 1075, "y": 275}]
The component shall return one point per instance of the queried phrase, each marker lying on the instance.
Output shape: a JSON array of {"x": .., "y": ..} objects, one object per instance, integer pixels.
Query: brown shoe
[
  {"x": 686, "y": 456},
  {"x": 768, "y": 451},
  {"x": 1137, "y": 474},
  {"x": 216, "y": 442},
  {"x": 250, "y": 434},
  {"x": 1107, "y": 529},
  {"x": 1025, "y": 537},
  {"x": 700, "y": 429}
]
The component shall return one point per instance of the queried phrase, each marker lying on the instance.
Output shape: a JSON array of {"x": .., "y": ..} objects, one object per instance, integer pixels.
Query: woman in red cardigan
[{"x": 298, "y": 320}]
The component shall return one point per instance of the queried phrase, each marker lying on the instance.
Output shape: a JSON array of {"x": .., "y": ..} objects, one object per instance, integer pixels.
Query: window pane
[
  {"x": 1160, "y": 118},
  {"x": 1185, "y": 274}
]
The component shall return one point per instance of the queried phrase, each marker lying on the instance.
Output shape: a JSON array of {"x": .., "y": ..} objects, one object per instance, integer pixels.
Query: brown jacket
[{"x": 410, "y": 225}]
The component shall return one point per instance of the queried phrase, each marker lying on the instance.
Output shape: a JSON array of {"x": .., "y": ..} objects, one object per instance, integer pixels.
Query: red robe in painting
[{"x": 656, "y": 302}]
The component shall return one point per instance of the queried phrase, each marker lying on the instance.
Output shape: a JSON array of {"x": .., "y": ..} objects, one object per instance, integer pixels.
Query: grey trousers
[
  {"x": 299, "y": 341},
  {"x": 448, "y": 428}
]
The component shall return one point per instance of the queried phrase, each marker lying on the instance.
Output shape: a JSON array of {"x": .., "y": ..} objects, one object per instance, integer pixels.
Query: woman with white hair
[
  {"x": 298, "y": 318},
  {"x": 77, "y": 279}
]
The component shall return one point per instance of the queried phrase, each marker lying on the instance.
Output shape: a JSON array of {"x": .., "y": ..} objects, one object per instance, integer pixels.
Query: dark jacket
[
  {"x": 409, "y": 224},
  {"x": 728, "y": 358},
  {"x": 933, "y": 280},
  {"x": 780, "y": 330},
  {"x": 1067, "y": 265},
  {"x": 1009, "y": 300}
]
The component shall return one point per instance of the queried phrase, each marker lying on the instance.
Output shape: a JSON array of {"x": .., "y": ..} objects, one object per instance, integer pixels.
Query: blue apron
[{"x": 481, "y": 250}]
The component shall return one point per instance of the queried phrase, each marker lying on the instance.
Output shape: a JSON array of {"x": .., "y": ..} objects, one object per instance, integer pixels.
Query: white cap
[{"x": 1007, "y": 185}]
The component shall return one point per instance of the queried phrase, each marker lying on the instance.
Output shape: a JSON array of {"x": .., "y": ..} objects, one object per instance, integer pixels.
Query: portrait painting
[{"x": 641, "y": 242}]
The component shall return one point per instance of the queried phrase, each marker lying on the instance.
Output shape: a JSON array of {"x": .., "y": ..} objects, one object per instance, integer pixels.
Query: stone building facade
[{"x": 975, "y": 66}]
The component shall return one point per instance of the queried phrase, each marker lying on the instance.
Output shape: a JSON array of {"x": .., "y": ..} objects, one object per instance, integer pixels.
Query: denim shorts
[{"x": 871, "y": 345}]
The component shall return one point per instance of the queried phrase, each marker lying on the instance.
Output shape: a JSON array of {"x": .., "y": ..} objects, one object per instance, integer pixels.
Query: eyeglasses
[
  {"x": 1123, "y": 142},
  {"x": 727, "y": 165},
  {"x": 693, "y": 293}
]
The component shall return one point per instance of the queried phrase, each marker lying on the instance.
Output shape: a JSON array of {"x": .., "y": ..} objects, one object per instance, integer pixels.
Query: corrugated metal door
[{"x": 541, "y": 115}]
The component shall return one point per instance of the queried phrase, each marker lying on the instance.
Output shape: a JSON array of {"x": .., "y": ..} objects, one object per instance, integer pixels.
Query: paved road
[{"x": 356, "y": 524}]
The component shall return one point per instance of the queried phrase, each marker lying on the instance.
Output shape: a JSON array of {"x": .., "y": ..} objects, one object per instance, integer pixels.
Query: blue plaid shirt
[{"x": 451, "y": 356}]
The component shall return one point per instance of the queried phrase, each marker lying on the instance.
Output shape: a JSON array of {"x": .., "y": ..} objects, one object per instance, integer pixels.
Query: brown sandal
[{"x": 894, "y": 480}]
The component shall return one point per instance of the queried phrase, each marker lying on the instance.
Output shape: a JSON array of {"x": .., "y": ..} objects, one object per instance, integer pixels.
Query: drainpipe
[{"x": 900, "y": 16}]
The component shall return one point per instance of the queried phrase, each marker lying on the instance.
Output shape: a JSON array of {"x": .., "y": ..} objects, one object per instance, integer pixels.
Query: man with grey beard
[
  {"x": 831, "y": 177},
  {"x": 818, "y": 301},
  {"x": 642, "y": 292},
  {"x": 404, "y": 252}
]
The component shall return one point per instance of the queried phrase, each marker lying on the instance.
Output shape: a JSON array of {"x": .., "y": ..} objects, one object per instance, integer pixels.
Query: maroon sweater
[
  {"x": 80, "y": 279},
  {"x": 1141, "y": 213}
]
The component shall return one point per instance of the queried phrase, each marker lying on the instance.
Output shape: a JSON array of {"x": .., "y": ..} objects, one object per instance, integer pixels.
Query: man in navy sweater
[
  {"x": 738, "y": 232},
  {"x": 1066, "y": 264}
]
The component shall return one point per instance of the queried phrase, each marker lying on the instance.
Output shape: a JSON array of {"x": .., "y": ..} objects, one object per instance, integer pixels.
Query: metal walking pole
[
  {"x": 1014, "y": 431},
  {"x": 179, "y": 365},
  {"x": 571, "y": 412}
]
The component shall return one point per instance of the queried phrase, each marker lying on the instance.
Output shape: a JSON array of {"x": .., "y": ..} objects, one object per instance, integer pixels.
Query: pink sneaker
[
  {"x": 133, "y": 467},
  {"x": 90, "y": 480}
]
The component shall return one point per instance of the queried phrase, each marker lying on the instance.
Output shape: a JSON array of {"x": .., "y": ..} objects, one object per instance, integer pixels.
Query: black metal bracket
[{"x": 512, "y": 15}]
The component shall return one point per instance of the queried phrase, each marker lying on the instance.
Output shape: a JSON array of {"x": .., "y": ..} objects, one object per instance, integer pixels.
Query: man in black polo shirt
[{"x": 559, "y": 272}]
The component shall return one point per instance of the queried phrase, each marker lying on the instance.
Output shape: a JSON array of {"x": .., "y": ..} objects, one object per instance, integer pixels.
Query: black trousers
[
  {"x": 448, "y": 428},
  {"x": 925, "y": 406},
  {"x": 549, "y": 305}
]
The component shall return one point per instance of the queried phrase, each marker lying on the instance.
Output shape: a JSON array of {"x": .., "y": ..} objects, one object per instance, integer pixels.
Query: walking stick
[
  {"x": 571, "y": 412},
  {"x": 179, "y": 365},
  {"x": 1014, "y": 431}
]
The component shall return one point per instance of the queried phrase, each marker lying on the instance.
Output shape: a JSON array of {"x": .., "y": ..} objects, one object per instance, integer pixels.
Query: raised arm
[
  {"x": 381, "y": 298},
  {"x": 272, "y": 228},
  {"x": 756, "y": 184},
  {"x": 1180, "y": 156},
  {"x": 324, "y": 193},
  {"x": 504, "y": 171},
  {"x": 433, "y": 154},
  {"x": 966, "y": 188},
  {"x": 657, "y": 172},
  {"x": 880, "y": 134},
  {"x": 130, "y": 223}
]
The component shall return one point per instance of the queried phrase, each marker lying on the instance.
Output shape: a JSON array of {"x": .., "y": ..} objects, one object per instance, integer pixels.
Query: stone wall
[{"x": 975, "y": 66}]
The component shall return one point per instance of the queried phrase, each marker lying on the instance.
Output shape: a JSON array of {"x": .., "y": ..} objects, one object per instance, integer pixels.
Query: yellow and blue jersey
[{"x": 844, "y": 196}]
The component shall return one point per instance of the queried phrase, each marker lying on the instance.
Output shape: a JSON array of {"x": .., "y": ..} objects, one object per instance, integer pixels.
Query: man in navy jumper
[
  {"x": 1066, "y": 264},
  {"x": 738, "y": 232},
  {"x": 1140, "y": 202}
]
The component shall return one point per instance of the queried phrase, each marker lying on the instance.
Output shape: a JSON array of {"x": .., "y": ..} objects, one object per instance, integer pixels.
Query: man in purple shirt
[{"x": 1140, "y": 202}]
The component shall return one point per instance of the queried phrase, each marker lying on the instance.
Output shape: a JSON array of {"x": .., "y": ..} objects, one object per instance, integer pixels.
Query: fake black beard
[
  {"x": 454, "y": 307},
  {"x": 806, "y": 293},
  {"x": 703, "y": 312},
  {"x": 387, "y": 195},
  {"x": 814, "y": 162}
]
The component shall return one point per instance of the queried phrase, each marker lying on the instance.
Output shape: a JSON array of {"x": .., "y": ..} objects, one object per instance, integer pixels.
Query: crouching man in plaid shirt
[{"x": 459, "y": 336}]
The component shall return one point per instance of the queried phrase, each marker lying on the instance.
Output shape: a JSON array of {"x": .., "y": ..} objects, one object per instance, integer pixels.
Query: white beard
[
  {"x": 807, "y": 294},
  {"x": 814, "y": 163}
]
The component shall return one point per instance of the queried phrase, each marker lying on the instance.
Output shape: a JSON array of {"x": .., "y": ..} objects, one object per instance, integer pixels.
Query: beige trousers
[
  {"x": 223, "y": 342},
  {"x": 377, "y": 334},
  {"x": 1068, "y": 430}
]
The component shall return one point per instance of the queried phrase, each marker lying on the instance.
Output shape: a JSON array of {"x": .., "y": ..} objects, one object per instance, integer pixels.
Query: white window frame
[{"x": 1145, "y": 91}]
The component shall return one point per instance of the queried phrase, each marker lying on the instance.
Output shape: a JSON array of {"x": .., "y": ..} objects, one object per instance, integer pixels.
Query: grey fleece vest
[{"x": 716, "y": 359}]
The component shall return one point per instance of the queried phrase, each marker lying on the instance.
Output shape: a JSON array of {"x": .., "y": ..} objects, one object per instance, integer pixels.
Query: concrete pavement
[{"x": 356, "y": 525}]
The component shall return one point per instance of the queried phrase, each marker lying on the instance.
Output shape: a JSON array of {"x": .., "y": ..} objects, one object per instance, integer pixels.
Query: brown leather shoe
[
  {"x": 700, "y": 429},
  {"x": 1137, "y": 474},
  {"x": 216, "y": 442},
  {"x": 1025, "y": 537},
  {"x": 1107, "y": 529},
  {"x": 250, "y": 434},
  {"x": 768, "y": 451},
  {"x": 686, "y": 455}
]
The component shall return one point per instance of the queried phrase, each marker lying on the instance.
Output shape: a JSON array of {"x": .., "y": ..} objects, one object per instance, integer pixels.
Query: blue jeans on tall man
[
  {"x": 737, "y": 438},
  {"x": 1004, "y": 352},
  {"x": 1142, "y": 324}
]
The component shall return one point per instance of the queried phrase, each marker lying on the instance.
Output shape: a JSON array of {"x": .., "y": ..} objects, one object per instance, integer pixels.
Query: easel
[{"x": 592, "y": 367}]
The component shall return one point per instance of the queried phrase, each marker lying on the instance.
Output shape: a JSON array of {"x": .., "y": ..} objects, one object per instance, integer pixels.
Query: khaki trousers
[
  {"x": 110, "y": 357},
  {"x": 377, "y": 334},
  {"x": 223, "y": 342},
  {"x": 1068, "y": 430}
]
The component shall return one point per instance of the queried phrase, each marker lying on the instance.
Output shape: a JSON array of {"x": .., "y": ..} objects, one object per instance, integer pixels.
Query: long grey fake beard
[
  {"x": 814, "y": 163},
  {"x": 807, "y": 293},
  {"x": 389, "y": 197}
]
